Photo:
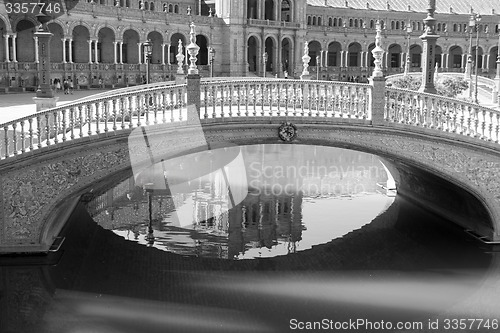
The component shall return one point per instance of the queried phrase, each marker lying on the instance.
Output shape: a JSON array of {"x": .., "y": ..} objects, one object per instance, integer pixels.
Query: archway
[
  {"x": 80, "y": 49},
  {"x": 56, "y": 43},
  {"x": 354, "y": 55},
  {"x": 269, "y": 10},
  {"x": 394, "y": 53},
  {"x": 202, "y": 42},
  {"x": 252, "y": 54},
  {"x": 174, "y": 42},
  {"x": 25, "y": 44},
  {"x": 252, "y": 9},
  {"x": 105, "y": 45},
  {"x": 157, "y": 40},
  {"x": 493, "y": 58},
  {"x": 314, "y": 51},
  {"x": 416, "y": 56},
  {"x": 130, "y": 42},
  {"x": 286, "y": 11},
  {"x": 286, "y": 47},
  {"x": 334, "y": 50},
  {"x": 269, "y": 49},
  {"x": 455, "y": 57}
]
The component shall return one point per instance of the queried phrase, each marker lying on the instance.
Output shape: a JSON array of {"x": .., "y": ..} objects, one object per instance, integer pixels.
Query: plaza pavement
[{"x": 17, "y": 105}]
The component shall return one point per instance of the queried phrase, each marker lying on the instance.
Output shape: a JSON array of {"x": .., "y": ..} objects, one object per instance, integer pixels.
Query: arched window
[
  {"x": 319, "y": 20},
  {"x": 146, "y": 5},
  {"x": 355, "y": 23},
  {"x": 152, "y": 6},
  {"x": 350, "y": 23},
  {"x": 392, "y": 25},
  {"x": 418, "y": 26},
  {"x": 309, "y": 20},
  {"x": 372, "y": 24},
  {"x": 170, "y": 8},
  {"x": 176, "y": 9},
  {"x": 330, "y": 21},
  {"x": 335, "y": 22},
  {"x": 314, "y": 20},
  {"x": 454, "y": 27},
  {"x": 397, "y": 25},
  {"x": 439, "y": 27}
]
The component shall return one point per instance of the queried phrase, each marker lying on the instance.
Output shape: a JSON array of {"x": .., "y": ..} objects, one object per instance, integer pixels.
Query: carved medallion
[{"x": 287, "y": 132}]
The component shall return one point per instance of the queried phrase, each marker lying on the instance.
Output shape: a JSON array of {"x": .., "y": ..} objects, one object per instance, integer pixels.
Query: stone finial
[
  {"x": 180, "y": 58},
  {"x": 378, "y": 53},
  {"x": 193, "y": 50}
]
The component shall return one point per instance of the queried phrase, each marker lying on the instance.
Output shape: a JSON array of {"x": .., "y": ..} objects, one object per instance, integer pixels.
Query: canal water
[{"x": 265, "y": 238}]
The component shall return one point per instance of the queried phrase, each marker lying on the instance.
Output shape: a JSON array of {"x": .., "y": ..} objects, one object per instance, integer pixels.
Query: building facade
[{"x": 101, "y": 42}]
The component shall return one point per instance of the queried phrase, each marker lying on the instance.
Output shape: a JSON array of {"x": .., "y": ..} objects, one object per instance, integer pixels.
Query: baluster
[
  {"x": 140, "y": 103},
  {"x": 294, "y": 98},
  {"x": 122, "y": 111},
  {"x": 30, "y": 131},
  {"x": 214, "y": 100},
  {"x": 483, "y": 124},
  {"x": 254, "y": 95},
  {"x": 89, "y": 118},
  {"x": 262, "y": 98},
  {"x": 303, "y": 100},
  {"x": 155, "y": 109},
  {"x": 223, "y": 94},
  {"x": 287, "y": 99},
  {"x": 490, "y": 127},
  {"x": 238, "y": 100},
  {"x": 454, "y": 118},
  {"x": 47, "y": 128},
  {"x": 231, "y": 92},
  {"x": 462, "y": 119},
  {"x": 317, "y": 99},
  {"x": 164, "y": 106},
  {"x": 278, "y": 98},
  {"x": 14, "y": 139},
  {"x": 114, "y": 114},
  {"x": 130, "y": 100},
  {"x": 356, "y": 101},
  {"x": 97, "y": 117},
  {"x": 6, "y": 140},
  {"x": 56, "y": 127},
  {"x": 476, "y": 122},
  {"x": 497, "y": 127},
  {"x": 64, "y": 124},
  {"x": 147, "y": 107},
  {"x": 423, "y": 109},
  {"x": 309, "y": 98},
  {"x": 180, "y": 100},
  {"x": 327, "y": 99},
  {"x": 23, "y": 138},
  {"x": 172, "y": 106}
]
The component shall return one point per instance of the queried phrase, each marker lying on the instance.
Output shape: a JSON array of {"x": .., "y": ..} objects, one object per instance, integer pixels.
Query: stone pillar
[
  {"x": 342, "y": 58},
  {"x": 139, "y": 50},
  {"x": 402, "y": 60},
  {"x": 37, "y": 57},
  {"x": 90, "y": 51},
  {"x": 70, "y": 41},
  {"x": 163, "y": 52},
  {"x": 377, "y": 99},
  {"x": 346, "y": 59},
  {"x": 96, "y": 53},
  {"x": 193, "y": 96},
  {"x": 169, "y": 60},
  {"x": 115, "y": 60},
  {"x": 121, "y": 53},
  {"x": 64, "y": 50},
  {"x": 429, "y": 39},
  {"x": 7, "y": 53},
  {"x": 326, "y": 59},
  {"x": 486, "y": 60},
  {"x": 14, "y": 48},
  {"x": 443, "y": 57}
]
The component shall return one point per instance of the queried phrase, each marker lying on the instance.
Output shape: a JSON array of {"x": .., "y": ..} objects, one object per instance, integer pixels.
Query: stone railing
[
  {"x": 218, "y": 98},
  {"x": 269, "y": 98},
  {"x": 441, "y": 113},
  {"x": 159, "y": 103}
]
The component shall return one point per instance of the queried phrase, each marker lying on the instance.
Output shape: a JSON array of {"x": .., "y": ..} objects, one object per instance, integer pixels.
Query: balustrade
[{"x": 163, "y": 103}]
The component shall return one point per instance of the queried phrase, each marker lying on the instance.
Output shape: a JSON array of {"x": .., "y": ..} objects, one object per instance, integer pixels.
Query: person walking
[
  {"x": 66, "y": 87},
  {"x": 70, "y": 86}
]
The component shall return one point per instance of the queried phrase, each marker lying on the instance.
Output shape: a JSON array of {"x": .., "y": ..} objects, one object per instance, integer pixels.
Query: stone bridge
[{"x": 443, "y": 153}]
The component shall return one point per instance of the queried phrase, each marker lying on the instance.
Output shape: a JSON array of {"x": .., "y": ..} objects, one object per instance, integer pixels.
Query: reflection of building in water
[{"x": 262, "y": 221}]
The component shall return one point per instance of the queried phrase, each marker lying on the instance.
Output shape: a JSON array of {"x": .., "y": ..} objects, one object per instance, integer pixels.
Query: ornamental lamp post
[
  {"x": 409, "y": 30},
  {"x": 148, "y": 51},
  {"x": 468, "y": 67},
  {"x": 211, "y": 53},
  {"x": 264, "y": 58},
  {"x": 476, "y": 18}
]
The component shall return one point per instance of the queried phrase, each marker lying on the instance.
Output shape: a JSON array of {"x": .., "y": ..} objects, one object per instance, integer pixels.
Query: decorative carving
[{"x": 287, "y": 132}]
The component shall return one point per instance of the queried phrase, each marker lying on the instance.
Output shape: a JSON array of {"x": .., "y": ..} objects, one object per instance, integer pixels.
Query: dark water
[{"x": 334, "y": 254}]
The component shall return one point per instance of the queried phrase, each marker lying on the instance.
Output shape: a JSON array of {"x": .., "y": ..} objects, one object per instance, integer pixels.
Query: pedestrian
[
  {"x": 66, "y": 87},
  {"x": 58, "y": 84},
  {"x": 70, "y": 84}
]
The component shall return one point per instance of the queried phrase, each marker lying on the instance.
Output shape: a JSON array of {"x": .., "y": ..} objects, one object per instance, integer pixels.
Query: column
[
  {"x": 36, "y": 50},
  {"x": 7, "y": 53},
  {"x": 443, "y": 60},
  {"x": 402, "y": 60},
  {"x": 96, "y": 58},
  {"x": 163, "y": 51},
  {"x": 486, "y": 60},
  {"x": 168, "y": 54},
  {"x": 115, "y": 52},
  {"x": 139, "y": 46},
  {"x": 260, "y": 6},
  {"x": 346, "y": 58},
  {"x": 366, "y": 59},
  {"x": 90, "y": 51},
  {"x": 386, "y": 60},
  {"x": 121, "y": 52},
  {"x": 326, "y": 58},
  {"x": 70, "y": 41},
  {"x": 464, "y": 60},
  {"x": 278, "y": 68},
  {"x": 14, "y": 48},
  {"x": 63, "y": 49}
]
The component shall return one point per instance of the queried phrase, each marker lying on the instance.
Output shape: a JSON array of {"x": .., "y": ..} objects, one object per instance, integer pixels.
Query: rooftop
[{"x": 484, "y": 7}]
